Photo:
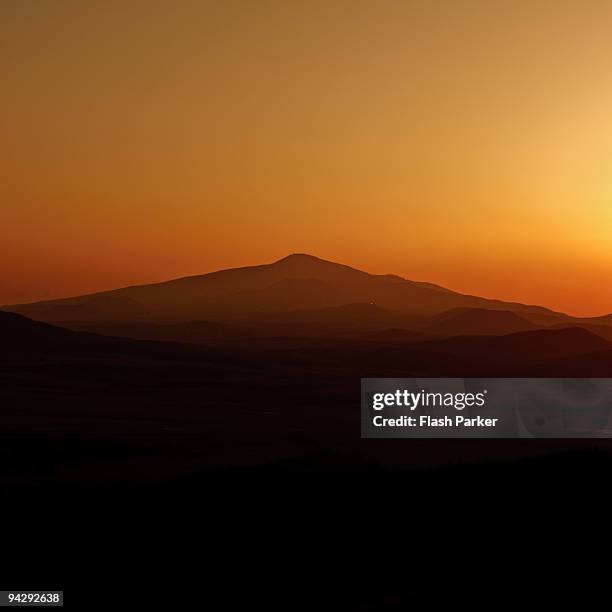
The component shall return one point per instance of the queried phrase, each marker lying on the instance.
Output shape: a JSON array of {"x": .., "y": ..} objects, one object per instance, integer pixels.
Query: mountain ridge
[{"x": 297, "y": 281}]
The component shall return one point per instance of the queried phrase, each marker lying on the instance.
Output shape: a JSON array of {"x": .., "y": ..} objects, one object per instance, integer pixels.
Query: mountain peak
[
  {"x": 300, "y": 258},
  {"x": 305, "y": 265}
]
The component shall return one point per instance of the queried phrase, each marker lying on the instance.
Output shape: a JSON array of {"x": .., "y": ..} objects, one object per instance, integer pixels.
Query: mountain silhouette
[
  {"x": 295, "y": 282},
  {"x": 297, "y": 296}
]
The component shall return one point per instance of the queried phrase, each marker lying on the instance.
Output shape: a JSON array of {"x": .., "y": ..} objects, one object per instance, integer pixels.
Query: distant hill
[
  {"x": 538, "y": 345},
  {"x": 391, "y": 352},
  {"x": 297, "y": 281},
  {"x": 18, "y": 332},
  {"x": 601, "y": 330},
  {"x": 191, "y": 332},
  {"x": 478, "y": 321},
  {"x": 24, "y": 338},
  {"x": 353, "y": 320}
]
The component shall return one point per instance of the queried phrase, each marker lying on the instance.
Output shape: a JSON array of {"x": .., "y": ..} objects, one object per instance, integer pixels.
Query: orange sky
[{"x": 466, "y": 143}]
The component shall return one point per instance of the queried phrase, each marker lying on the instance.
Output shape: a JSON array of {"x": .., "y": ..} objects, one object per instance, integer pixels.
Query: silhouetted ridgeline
[{"x": 299, "y": 295}]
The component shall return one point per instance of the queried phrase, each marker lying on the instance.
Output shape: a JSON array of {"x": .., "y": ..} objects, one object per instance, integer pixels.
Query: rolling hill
[
  {"x": 528, "y": 346},
  {"x": 478, "y": 321},
  {"x": 20, "y": 333}
]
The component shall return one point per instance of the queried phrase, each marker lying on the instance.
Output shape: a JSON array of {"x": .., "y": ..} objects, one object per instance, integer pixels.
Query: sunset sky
[{"x": 466, "y": 143}]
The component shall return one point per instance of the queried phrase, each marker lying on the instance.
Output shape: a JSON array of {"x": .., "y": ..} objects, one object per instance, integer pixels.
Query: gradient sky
[{"x": 466, "y": 143}]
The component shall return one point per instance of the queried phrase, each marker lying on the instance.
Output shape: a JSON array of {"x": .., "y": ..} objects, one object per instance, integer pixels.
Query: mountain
[
  {"x": 480, "y": 321},
  {"x": 295, "y": 282}
]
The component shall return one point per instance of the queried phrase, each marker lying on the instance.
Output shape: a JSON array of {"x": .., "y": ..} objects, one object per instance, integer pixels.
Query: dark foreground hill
[
  {"x": 235, "y": 452},
  {"x": 83, "y": 409},
  {"x": 258, "y": 448}
]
